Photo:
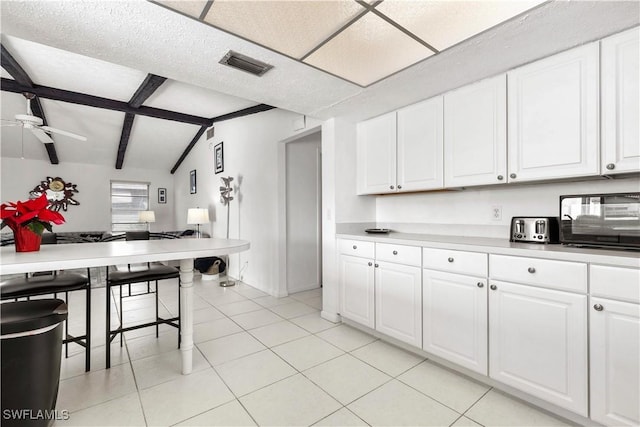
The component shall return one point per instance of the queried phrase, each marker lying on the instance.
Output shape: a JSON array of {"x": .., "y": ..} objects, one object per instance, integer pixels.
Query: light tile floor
[{"x": 260, "y": 360}]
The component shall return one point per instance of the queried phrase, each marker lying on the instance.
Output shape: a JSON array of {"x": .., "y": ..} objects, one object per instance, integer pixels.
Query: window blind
[{"x": 127, "y": 200}]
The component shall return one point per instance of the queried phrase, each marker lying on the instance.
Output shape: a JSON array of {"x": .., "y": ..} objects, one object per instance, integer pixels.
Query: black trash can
[{"x": 31, "y": 340}]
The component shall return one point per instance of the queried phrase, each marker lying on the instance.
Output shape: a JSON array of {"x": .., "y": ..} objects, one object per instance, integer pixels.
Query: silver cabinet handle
[
  {"x": 395, "y": 252},
  {"x": 370, "y": 264},
  {"x": 355, "y": 247},
  {"x": 377, "y": 266},
  {"x": 391, "y": 187},
  {"x": 513, "y": 175},
  {"x": 450, "y": 259},
  {"x": 493, "y": 287},
  {"x": 480, "y": 285},
  {"x": 611, "y": 166},
  {"x": 598, "y": 307},
  {"x": 531, "y": 270},
  {"x": 500, "y": 177}
]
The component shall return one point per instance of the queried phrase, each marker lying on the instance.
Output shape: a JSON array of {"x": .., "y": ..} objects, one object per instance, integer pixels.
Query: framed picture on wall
[
  {"x": 162, "y": 195},
  {"x": 192, "y": 182},
  {"x": 218, "y": 158}
]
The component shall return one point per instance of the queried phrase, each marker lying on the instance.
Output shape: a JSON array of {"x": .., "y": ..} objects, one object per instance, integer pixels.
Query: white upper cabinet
[
  {"x": 402, "y": 151},
  {"x": 620, "y": 103},
  {"x": 553, "y": 117},
  {"x": 376, "y": 154},
  {"x": 475, "y": 134},
  {"x": 419, "y": 157}
]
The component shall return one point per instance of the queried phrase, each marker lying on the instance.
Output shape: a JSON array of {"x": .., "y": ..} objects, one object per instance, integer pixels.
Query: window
[{"x": 127, "y": 200}]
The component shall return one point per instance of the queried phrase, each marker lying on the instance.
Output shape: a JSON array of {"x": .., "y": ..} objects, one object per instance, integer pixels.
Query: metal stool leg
[
  {"x": 66, "y": 328},
  {"x": 157, "y": 317},
  {"x": 87, "y": 340},
  {"x": 120, "y": 312},
  {"x": 108, "y": 323},
  {"x": 179, "y": 315}
]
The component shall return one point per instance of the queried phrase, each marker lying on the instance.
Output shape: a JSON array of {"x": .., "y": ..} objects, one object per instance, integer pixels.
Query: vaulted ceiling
[{"x": 108, "y": 49}]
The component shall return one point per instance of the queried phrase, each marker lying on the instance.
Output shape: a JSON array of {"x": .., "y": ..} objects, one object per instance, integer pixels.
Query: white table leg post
[{"x": 186, "y": 319}]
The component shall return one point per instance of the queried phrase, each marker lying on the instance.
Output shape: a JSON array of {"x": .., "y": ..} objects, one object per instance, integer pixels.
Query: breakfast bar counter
[{"x": 82, "y": 255}]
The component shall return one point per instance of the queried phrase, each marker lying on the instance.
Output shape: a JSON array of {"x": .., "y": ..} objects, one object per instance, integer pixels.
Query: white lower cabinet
[
  {"x": 615, "y": 362},
  {"x": 532, "y": 325},
  {"x": 454, "y": 324},
  {"x": 398, "y": 302},
  {"x": 538, "y": 343},
  {"x": 614, "y": 336},
  {"x": 381, "y": 288},
  {"x": 356, "y": 276}
]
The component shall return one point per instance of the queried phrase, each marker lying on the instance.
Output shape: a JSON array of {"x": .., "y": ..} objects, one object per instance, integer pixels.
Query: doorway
[{"x": 303, "y": 210}]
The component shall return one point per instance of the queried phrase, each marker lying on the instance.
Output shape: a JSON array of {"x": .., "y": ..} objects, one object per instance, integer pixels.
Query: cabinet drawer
[
  {"x": 615, "y": 282},
  {"x": 408, "y": 255},
  {"x": 356, "y": 248},
  {"x": 471, "y": 263},
  {"x": 563, "y": 275}
]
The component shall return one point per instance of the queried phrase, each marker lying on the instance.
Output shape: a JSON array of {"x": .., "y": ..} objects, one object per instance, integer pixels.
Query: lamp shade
[
  {"x": 197, "y": 216},
  {"x": 147, "y": 216}
]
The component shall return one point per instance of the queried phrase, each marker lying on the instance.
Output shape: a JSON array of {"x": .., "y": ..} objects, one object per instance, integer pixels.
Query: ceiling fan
[{"x": 35, "y": 124}]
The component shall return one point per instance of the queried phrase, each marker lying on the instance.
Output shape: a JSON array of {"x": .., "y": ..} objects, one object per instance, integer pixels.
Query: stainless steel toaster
[{"x": 534, "y": 229}]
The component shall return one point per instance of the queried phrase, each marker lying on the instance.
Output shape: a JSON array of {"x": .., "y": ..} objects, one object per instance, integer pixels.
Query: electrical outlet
[{"x": 496, "y": 213}]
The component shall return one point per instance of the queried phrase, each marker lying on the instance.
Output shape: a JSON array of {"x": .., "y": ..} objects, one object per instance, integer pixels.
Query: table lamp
[
  {"x": 197, "y": 216},
  {"x": 148, "y": 217}
]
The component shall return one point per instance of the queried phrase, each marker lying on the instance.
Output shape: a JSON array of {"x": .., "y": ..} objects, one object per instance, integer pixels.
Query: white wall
[
  {"x": 472, "y": 208},
  {"x": 20, "y": 176},
  {"x": 339, "y": 202},
  {"x": 251, "y": 157}
]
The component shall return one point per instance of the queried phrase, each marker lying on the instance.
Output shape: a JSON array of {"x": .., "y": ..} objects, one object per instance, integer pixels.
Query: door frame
[{"x": 281, "y": 289}]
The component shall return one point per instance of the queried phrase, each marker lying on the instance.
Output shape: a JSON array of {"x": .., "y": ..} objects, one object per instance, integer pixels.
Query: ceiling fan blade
[
  {"x": 6, "y": 122},
  {"x": 41, "y": 135},
  {"x": 63, "y": 132}
]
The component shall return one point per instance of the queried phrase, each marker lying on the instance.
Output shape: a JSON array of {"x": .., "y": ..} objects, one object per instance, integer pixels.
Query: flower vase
[{"x": 26, "y": 240}]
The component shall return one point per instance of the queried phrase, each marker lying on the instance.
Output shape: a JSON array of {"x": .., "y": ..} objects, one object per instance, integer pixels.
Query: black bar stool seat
[
  {"x": 152, "y": 273},
  {"x": 21, "y": 287}
]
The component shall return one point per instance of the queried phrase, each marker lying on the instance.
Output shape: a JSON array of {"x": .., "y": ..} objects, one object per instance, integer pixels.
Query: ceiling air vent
[{"x": 244, "y": 63}]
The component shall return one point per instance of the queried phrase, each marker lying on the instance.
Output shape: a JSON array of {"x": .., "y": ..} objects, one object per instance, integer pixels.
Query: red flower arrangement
[{"x": 28, "y": 220}]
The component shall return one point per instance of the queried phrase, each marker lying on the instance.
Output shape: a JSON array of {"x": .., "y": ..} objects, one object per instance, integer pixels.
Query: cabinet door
[
  {"x": 420, "y": 146},
  {"x": 553, "y": 117},
  {"x": 357, "y": 290},
  {"x": 376, "y": 155},
  {"x": 456, "y": 332},
  {"x": 620, "y": 103},
  {"x": 398, "y": 302},
  {"x": 615, "y": 362},
  {"x": 538, "y": 343},
  {"x": 475, "y": 134}
]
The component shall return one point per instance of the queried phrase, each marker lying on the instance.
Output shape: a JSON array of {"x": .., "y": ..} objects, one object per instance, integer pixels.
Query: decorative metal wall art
[{"x": 59, "y": 193}]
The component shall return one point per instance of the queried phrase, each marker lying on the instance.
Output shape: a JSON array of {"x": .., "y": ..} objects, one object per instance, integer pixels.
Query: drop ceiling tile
[
  {"x": 445, "y": 23},
  {"x": 292, "y": 27},
  {"x": 367, "y": 51},
  {"x": 184, "y": 98},
  {"x": 189, "y": 7}
]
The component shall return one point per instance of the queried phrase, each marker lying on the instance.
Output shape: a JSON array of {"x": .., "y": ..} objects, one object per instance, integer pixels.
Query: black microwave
[{"x": 601, "y": 220}]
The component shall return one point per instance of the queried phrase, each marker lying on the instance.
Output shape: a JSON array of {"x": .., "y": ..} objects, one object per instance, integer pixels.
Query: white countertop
[
  {"x": 80, "y": 255},
  {"x": 621, "y": 258}
]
